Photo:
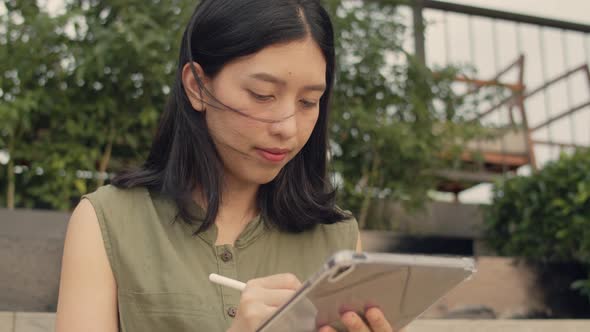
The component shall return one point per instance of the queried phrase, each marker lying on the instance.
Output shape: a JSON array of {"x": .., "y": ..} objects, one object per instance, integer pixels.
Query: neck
[
  {"x": 237, "y": 208},
  {"x": 238, "y": 201},
  {"x": 239, "y": 197}
]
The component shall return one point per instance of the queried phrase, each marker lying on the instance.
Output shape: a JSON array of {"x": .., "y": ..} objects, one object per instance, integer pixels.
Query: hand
[
  {"x": 354, "y": 323},
  {"x": 261, "y": 298}
]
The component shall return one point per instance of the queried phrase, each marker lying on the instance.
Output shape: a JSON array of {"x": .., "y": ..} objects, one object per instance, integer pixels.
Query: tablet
[{"x": 402, "y": 286}]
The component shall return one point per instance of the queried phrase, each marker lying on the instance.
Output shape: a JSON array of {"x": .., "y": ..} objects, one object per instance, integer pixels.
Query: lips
[{"x": 274, "y": 155}]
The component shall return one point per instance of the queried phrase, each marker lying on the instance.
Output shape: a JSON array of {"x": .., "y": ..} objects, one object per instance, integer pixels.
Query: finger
[
  {"x": 255, "y": 313},
  {"x": 354, "y": 323},
  {"x": 377, "y": 320},
  {"x": 276, "y": 297},
  {"x": 270, "y": 297},
  {"x": 277, "y": 281},
  {"x": 327, "y": 328}
]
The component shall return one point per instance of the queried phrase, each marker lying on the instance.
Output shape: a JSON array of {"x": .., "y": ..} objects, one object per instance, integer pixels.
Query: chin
[
  {"x": 264, "y": 177},
  {"x": 267, "y": 179}
]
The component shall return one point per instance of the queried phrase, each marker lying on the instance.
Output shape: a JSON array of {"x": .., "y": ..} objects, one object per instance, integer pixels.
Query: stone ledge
[
  {"x": 458, "y": 325},
  {"x": 6, "y": 322},
  {"x": 45, "y": 322},
  {"x": 34, "y": 322}
]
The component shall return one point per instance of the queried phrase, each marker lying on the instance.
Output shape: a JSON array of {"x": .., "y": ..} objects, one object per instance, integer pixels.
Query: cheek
[
  {"x": 306, "y": 127},
  {"x": 226, "y": 128},
  {"x": 225, "y": 125}
]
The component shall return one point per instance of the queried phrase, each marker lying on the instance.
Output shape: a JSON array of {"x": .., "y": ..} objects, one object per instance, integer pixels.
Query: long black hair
[{"x": 183, "y": 156}]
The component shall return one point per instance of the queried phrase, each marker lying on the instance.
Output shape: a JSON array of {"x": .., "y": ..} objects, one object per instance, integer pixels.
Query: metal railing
[{"x": 552, "y": 107}]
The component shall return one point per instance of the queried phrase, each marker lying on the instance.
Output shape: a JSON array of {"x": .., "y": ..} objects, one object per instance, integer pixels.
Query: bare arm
[
  {"x": 359, "y": 245},
  {"x": 87, "y": 291}
]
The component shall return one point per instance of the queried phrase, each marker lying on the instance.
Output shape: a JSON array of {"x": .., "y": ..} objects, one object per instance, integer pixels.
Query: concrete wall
[{"x": 31, "y": 246}]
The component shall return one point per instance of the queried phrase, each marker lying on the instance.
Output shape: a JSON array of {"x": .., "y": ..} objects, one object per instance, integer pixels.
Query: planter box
[{"x": 438, "y": 219}]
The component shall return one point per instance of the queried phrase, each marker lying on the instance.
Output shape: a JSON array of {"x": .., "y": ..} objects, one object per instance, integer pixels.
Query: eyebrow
[{"x": 275, "y": 80}]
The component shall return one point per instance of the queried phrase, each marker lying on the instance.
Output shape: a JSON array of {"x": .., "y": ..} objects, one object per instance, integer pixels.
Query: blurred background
[{"x": 457, "y": 128}]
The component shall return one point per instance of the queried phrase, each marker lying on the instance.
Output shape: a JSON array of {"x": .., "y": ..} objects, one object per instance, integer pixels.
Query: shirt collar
[{"x": 166, "y": 208}]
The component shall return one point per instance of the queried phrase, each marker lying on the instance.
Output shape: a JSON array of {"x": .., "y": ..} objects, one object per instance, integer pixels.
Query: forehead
[{"x": 300, "y": 60}]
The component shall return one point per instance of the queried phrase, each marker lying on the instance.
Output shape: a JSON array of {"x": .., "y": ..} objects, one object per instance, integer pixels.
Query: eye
[
  {"x": 259, "y": 96},
  {"x": 308, "y": 104}
]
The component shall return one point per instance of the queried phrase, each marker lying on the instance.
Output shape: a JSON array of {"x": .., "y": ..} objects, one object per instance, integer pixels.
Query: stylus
[{"x": 225, "y": 281}]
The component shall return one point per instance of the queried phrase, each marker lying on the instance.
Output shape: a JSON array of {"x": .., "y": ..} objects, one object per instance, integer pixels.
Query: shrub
[{"x": 545, "y": 217}]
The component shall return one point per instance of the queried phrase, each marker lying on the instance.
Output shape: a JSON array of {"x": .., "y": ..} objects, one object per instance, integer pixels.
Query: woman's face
[{"x": 281, "y": 82}]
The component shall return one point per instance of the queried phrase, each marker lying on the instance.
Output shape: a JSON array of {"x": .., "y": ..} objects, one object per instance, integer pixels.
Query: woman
[{"x": 235, "y": 184}]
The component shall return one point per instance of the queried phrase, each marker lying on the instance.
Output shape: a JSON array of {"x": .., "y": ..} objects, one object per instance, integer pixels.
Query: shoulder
[
  {"x": 110, "y": 198},
  {"x": 344, "y": 234},
  {"x": 347, "y": 224},
  {"x": 115, "y": 205},
  {"x": 112, "y": 193}
]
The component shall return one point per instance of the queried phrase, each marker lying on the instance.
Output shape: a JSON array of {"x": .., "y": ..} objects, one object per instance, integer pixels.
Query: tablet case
[{"x": 403, "y": 286}]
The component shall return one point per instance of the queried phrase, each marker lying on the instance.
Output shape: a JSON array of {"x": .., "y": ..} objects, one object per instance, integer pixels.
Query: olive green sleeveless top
[{"x": 162, "y": 270}]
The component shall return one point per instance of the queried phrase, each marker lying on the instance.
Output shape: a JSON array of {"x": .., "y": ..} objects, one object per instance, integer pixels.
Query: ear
[{"x": 193, "y": 90}]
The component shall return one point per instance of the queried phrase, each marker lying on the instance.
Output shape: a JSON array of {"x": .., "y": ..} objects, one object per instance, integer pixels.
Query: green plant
[
  {"x": 392, "y": 116},
  {"x": 545, "y": 217},
  {"x": 89, "y": 100},
  {"x": 81, "y": 92},
  {"x": 31, "y": 50}
]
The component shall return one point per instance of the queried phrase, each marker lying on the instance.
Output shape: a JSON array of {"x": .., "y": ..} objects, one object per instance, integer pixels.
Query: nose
[{"x": 287, "y": 126}]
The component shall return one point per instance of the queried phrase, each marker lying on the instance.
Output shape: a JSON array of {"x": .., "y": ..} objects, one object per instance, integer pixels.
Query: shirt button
[
  {"x": 226, "y": 256},
  {"x": 232, "y": 311}
]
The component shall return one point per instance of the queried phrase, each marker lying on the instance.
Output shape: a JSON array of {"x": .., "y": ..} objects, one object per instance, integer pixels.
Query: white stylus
[{"x": 225, "y": 281}]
